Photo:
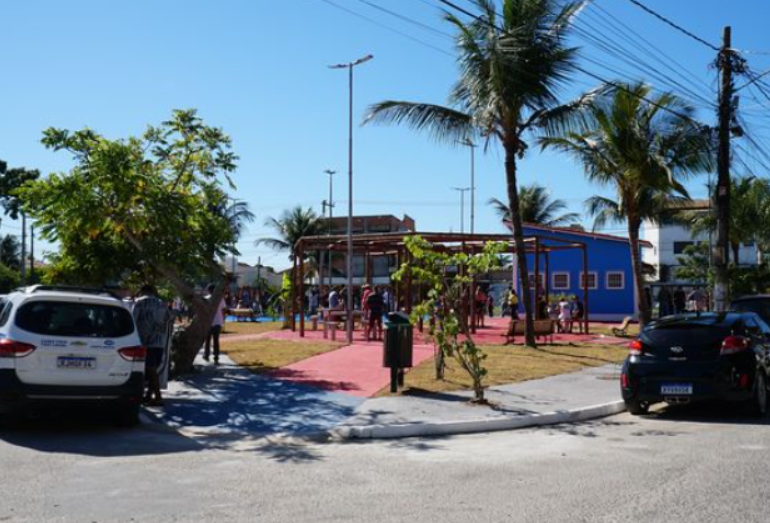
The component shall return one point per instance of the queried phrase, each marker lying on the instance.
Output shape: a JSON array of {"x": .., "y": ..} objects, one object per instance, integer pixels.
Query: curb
[{"x": 449, "y": 428}]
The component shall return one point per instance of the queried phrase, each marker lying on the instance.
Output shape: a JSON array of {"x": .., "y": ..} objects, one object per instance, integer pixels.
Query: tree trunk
[
  {"x": 636, "y": 263},
  {"x": 188, "y": 343},
  {"x": 511, "y": 147}
]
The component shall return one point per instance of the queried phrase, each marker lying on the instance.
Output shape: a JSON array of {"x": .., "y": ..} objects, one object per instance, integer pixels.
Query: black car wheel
[
  {"x": 758, "y": 403},
  {"x": 636, "y": 407}
]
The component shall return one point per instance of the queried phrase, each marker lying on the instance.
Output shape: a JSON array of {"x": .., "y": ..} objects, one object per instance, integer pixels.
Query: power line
[
  {"x": 408, "y": 19},
  {"x": 387, "y": 27},
  {"x": 675, "y": 25}
]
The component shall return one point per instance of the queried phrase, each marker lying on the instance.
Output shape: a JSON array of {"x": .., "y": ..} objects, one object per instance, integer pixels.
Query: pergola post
[
  {"x": 408, "y": 304},
  {"x": 301, "y": 290},
  {"x": 547, "y": 256},
  {"x": 585, "y": 288},
  {"x": 537, "y": 280},
  {"x": 293, "y": 319},
  {"x": 397, "y": 290}
]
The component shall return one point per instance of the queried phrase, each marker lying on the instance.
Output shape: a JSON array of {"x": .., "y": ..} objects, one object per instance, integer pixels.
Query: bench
[
  {"x": 622, "y": 329},
  {"x": 243, "y": 313},
  {"x": 543, "y": 328}
]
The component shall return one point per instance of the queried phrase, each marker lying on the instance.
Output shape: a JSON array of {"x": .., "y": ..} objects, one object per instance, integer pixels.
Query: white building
[
  {"x": 670, "y": 240},
  {"x": 247, "y": 274}
]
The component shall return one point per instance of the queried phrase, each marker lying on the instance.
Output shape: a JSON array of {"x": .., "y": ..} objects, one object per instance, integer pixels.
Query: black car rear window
[
  {"x": 760, "y": 306},
  {"x": 82, "y": 320},
  {"x": 696, "y": 321}
]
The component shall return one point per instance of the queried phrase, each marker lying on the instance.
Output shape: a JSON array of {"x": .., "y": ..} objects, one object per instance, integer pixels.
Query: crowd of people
[{"x": 679, "y": 300}]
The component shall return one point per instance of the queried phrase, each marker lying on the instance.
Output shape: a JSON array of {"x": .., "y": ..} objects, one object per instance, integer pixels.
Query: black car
[
  {"x": 759, "y": 303},
  {"x": 696, "y": 357}
]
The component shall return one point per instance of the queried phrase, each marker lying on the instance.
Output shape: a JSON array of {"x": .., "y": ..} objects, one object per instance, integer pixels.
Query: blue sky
[{"x": 258, "y": 69}]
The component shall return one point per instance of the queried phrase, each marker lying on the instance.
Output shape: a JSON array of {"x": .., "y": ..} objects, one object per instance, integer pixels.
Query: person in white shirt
[
  {"x": 216, "y": 328},
  {"x": 565, "y": 315}
]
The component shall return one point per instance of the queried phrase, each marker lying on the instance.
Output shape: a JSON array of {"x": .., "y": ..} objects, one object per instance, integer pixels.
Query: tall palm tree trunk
[
  {"x": 636, "y": 261},
  {"x": 518, "y": 239}
]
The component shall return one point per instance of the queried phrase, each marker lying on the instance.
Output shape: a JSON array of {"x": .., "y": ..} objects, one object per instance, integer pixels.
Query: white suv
[{"x": 69, "y": 344}]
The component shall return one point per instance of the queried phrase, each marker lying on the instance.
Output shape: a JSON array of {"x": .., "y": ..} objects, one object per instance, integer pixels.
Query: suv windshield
[
  {"x": 759, "y": 305},
  {"x": 83, "y": 320}
]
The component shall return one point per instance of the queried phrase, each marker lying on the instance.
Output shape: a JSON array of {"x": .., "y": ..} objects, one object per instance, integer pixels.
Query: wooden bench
[
  {"x": 622, "y": 329},
  {"x": 543, "y": 328},
  {"x": 243, "y": 313}
]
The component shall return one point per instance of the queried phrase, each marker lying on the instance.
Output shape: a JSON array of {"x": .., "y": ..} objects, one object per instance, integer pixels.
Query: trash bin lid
[{"x": 398, "y": 318}]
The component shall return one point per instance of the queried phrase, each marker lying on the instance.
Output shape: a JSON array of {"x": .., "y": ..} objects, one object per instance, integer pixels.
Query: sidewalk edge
[{"x": 447, "y": 428}]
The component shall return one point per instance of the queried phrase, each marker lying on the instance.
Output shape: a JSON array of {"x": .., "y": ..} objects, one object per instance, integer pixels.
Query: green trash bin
[{"x": 397, "y": 347}]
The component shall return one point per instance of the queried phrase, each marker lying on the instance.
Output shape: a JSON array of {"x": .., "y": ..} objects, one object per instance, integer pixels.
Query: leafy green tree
[
  {"x": 694, "y": 264},
  {"x": 149, "y": 208},
  {"x": 641, "y": 150},
  {"x": 10, "y": 181},
  {"x": 10, "y": 252},
  {"x": 749, "y": 215},
  {"x": 537, "y": 207},
  {"x": 444, "y": 302},
  {"x": 9, "y": 279},
  {"x": 510, "y": 69}
]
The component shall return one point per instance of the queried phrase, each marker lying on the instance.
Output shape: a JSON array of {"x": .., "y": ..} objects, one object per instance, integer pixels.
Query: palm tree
[
  {"x": 290, "y": 227},
  {"x": 749, "y": 215},
  {"x": 537, "y": 207},
  {"x": 642, "y": 150},
  {"x": 510, "y": 67}
]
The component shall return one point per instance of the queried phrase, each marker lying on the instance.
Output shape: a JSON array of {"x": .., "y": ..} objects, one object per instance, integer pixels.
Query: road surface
[{"x": 674, "y": 466}]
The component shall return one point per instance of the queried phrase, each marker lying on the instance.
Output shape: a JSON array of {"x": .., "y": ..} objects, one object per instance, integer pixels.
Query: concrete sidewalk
[
  {"x": 231, "y": 402},
  {"x": 577, "y": 396}
]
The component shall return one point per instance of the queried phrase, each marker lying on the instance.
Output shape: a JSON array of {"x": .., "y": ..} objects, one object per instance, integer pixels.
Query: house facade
[
  {"x": 669, "y": 240},
  {"x": 611, "y": 290},
  {"x": 379, "y": 268}
]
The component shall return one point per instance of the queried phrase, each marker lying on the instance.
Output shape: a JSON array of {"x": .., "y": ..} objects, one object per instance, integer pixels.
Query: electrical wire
[
  {"x": 408, "y": 19},
  {"x": 675, "y": 25},
  {"x": 387, "y": 27}
]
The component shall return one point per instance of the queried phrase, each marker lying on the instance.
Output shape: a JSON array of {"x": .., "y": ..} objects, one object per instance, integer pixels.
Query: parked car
[
  {"x": 759, "y": 303},
  {"x": 61, "y": 344},
  {"x": 696, "y": 357}
]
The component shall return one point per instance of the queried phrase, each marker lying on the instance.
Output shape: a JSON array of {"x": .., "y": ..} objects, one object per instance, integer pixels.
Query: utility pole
[
  {"x": 726, "y": 63},
  {"x": 32, "y": 253},
  {"x": 23, "y": 267}
]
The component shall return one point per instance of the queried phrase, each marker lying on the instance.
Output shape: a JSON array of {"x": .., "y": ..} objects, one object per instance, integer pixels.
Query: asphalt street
[{"x": 677, "y": 465}]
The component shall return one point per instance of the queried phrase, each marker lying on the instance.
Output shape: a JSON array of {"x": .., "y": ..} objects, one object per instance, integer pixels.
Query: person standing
[
  {"x": 513, "y": 303},
  {"x": 313, "y": 301},
  {"x": 491, "y": 306},
  {"x": 152, "y": 317},
  {"x": 565, "y": 315},
  {"x": 680, "y": 300},
  {"x": 375, "y": 304},
  {"x": 578, "y": 311},
  {"x": 216, "y": 327}
]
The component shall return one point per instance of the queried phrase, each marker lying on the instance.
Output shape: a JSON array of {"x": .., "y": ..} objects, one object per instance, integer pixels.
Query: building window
[
  {"x": 616, "y": 280},
  {"x": 560, "y": 281},
  {"x": 532, "y": 281},
  {"x": 679, "y": 247},
  {"x": 593, "y": 280}
]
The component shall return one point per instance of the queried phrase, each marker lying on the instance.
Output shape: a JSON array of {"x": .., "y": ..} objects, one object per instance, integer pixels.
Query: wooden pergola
[{"x": 392, "y": 244}]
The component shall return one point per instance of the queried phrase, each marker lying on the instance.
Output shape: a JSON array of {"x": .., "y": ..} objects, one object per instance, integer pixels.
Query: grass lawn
[
  {"x": 266, "y": 355},
  {"x": 512, "y": 364},
  {"x": 251, "y": 327},
  {"x": 633, "y": 329}
]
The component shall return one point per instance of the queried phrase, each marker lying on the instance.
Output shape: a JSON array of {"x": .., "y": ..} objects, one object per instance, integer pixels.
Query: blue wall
[{"x": 604, "y": 255}]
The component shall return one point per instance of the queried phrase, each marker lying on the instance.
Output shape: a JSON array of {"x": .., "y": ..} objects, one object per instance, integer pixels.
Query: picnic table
[{"x": 243, "y": 314}]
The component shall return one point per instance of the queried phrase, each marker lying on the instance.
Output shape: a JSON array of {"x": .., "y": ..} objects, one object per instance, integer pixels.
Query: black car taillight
[
  {"x": 733, "y": 345},
  {"x": 635, "y": 348}
]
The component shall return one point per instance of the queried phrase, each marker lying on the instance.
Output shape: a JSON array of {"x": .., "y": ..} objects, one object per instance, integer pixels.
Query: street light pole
[
  {"x": 472, "y": 146},
  {"x": 349, "y": 66},
  {"x": 462, "y": 191},
  {"x": 330, "y": 205}
]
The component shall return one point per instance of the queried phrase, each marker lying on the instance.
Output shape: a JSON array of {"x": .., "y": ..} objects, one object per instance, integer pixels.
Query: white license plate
[
  {"x": 676, "y": 389},
  {"x": 74, "y": 362}
]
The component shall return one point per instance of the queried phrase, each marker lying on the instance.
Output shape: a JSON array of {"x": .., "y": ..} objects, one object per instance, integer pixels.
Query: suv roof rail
[{"x": 71, "y": 288}]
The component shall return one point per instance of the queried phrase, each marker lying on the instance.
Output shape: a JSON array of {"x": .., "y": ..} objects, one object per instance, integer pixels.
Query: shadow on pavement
[
  {"x": 91, "y": 434},
  {"x": 232, "y": 402},
  {"x": 722, "y": 413}
]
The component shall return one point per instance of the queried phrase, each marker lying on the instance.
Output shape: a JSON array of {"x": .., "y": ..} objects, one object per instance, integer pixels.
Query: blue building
[{"x": 611, "y": 291}]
